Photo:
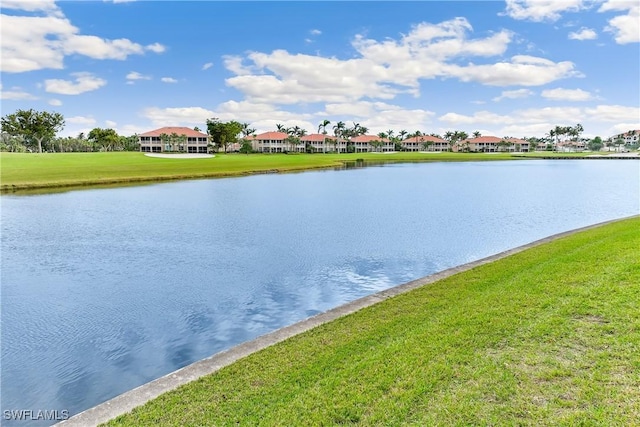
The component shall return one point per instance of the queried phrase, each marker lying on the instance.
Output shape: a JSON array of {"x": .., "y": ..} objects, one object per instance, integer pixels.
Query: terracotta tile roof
[
  {"x": 368, "y": 138},
  {"x": 175, "y": 129},
  {"x": 484, "y": 139},
  {"x": 272, "y": 136},
  {"x": 424, "y": 138},
  {"x": 433, "y": 138},
  {"x": 314, "y": 137}
]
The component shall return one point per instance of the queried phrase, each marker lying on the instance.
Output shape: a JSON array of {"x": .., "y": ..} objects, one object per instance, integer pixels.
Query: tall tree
[
  {"x": 595, "y": 144},
  {"x": 382, "y": 136},
  {"x": 477, "y": 134},
  {"x": 338, "y": 131},
  {"x": 35, "y": 127},
  {"x": 246, "y": 130},
  {"x": 223, "y": 134},
  {"x": 106, "y": 139},
  {"x": 323, "y": 125}
]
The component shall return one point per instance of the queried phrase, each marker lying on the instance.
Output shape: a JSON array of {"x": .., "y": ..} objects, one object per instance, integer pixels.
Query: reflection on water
[{"x": 104, "y": 290}]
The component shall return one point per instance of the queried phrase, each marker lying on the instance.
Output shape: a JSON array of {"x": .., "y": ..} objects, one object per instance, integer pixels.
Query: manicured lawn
[
  {"x": 28, "y": 171},
  {"x": 549, "y": 336}
]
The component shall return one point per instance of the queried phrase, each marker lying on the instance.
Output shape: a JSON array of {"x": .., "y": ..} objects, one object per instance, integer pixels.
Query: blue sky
[{"x": 505, "y": 68}]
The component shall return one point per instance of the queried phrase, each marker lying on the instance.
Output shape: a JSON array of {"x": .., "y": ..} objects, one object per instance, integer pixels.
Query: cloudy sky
[{"x": 505, "y": 68}]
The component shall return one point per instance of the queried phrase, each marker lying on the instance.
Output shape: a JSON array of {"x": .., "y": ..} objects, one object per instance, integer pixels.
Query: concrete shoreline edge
[{"x": 138, "y": 396}]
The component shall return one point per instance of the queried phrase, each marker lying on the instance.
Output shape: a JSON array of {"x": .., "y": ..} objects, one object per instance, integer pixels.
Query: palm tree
[
  {"x": 463, "y": 136},
  {"x": 449, "y": 136},
  {"x": 401, "y": 137},
  {"x": 164, "y": 138},
  {"x": 293, "y": 141},
  {"x": 246, "y": 130},
  {"x": 324, "y": 125},
  {"x": 477, "y": 134},
  {"x": 338, "y": 131},
  {"x": 280, "y": 127},
  {"x": 578, "y": 129},
  {"x": 551, "y": 135},
  {"x": 382, "y": 137}
]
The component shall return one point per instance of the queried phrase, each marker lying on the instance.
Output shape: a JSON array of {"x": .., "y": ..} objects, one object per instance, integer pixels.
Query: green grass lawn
[
  {"x": 548, "y": 336},
  {"x": 31, "y": 171}
]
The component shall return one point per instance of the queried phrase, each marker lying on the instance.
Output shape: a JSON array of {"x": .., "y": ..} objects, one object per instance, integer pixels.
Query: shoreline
[
  {"x": 140, "y": 395},
  {"x": 282, "y": 167},
  {"x": 8, "y": 189}
]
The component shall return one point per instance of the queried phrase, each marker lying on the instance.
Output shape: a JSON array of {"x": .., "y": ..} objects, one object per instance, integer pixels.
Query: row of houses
[
  {"x": 174, "y": 138},
  {"x": 192, "y": 141},
  {"x": 278, "y": 142}
]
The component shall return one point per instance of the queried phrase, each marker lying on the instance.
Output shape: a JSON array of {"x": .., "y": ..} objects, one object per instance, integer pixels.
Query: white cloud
[
  {"x": 84, "y": 82},
  {"x": 168, "y": 80},
  {"x": 538, "y": 121},
  {"x": 180, "y": 116},
  {"x": 385, "y": 69},
  {"x": 15, "y": 94},
  {"x": 614, "y": 113},
  {"x": 81, "y": 120},
  {"x": 560, "y": 94},
  {"x": 541, "y": 10},
  {"x": 513, "y": 94},
  {"x": 38, "y": 42},
  {"x": 583, "y": 34},
  {"x": 398, "y": 119},
  {"x": 47, "y": 6},
  {"x": 626, "y": 28},
  {"x": 111, "y": 123},
  {"x": 309, "y": 79},
  {"x": 315, "y": 32},
  {"x": 207, "y": 66},
  {"x": 55, "y": 102},
  {"x": 522, "y": 70},
  {"x": 134, "y": 75},
  {"x": 377, "y": 116},
  {"x": 234, "y": 64},
  {"x": 156, "y": 47},
  {"x": 130, "y": 129},
  {"x": 622, "y": 127}
]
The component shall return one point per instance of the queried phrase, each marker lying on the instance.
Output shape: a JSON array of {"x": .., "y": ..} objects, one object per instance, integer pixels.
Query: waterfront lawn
[
  {"x": 51, "y": 170},
  {"x": 549, "y": 336}
]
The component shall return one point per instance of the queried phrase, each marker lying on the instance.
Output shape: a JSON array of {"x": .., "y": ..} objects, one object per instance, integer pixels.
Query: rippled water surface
[{"x": 104, "y": 290}]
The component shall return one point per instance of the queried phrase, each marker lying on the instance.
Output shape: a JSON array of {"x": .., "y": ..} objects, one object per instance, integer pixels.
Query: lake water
[{"x": 104, "y": 290}]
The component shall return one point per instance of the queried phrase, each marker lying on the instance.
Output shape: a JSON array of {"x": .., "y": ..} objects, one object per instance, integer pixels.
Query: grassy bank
[
  {"x": 55, "y": 170},
  {"x": 549, "y": 336}
]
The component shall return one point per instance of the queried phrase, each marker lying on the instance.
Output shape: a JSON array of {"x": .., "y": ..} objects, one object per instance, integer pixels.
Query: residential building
[
  {"x": 570, "y": 146},
  {"x": 173, "y": 139},
  {"x": 492, "y": 144},
  {"x": 367, "y": 143},
  {"x": 629, "y": 138},
  {"x": 425, "y": 143},
  {"x": 316, "y": 142},
  {"x": 269, "y": 142}
]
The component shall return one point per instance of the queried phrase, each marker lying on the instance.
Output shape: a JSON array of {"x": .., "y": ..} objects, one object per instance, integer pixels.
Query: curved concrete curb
[{"x": 138, "y": 396}]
